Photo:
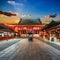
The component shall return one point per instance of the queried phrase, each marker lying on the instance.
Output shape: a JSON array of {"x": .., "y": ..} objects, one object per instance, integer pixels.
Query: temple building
[
  {"x": 53, "y": 30},
  {"x": 28, "y": 25},
  {"x": 5, "y": 32}
]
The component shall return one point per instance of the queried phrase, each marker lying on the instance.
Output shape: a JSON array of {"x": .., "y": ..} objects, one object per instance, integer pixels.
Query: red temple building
[
  {"x": 28, "y": 25},
  {"x": 53, "y": 30}
]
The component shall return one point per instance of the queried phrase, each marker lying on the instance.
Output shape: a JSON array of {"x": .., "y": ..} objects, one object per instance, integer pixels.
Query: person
[
  {"x": 52, "y": 39},
  {"x": 30, "y": 36}
]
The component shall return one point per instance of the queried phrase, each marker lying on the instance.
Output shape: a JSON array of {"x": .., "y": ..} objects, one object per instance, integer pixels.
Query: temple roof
[
  {"x": 5, "y": 28},
  {"x": 29, "y": 22},
  {"x": 51, "y": 24}
]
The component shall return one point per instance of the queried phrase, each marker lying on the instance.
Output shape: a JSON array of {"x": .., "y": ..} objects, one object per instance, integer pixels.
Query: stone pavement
[
  {"x": 6, "y": 43},
  {"x": 26, "y": 50},
  {"x": 55, "y": 44}
]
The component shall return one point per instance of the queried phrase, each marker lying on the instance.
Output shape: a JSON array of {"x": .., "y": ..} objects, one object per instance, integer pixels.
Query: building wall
[
  {"x": 54, "y": 32},
  {"x": 25, "y": 29}
]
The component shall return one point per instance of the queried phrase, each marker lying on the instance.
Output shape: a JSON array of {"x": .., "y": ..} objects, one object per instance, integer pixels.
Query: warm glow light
[
  {"x": 24, "y": 28},
  {"x": 36, "y": 28},
  {"x": 10, "y": 21},
  {"x": 16, "y": 29},
  {"x": 1, "y": 15}
]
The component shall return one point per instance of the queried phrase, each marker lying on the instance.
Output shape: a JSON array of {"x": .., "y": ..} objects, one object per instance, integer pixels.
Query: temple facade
[
  {"x": 52, "y": 30},
  {"x": 28, "y": 25}
]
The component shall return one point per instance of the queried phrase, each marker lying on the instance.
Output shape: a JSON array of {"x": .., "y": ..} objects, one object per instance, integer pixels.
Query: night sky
[{"x": 35, "y": 8}]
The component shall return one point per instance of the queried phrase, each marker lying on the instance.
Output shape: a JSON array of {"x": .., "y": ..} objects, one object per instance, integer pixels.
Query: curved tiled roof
[
  {"x": 29, "y": 22},
  {"x": 5, "y": 28},
  {"x": 51, "y": 24}
]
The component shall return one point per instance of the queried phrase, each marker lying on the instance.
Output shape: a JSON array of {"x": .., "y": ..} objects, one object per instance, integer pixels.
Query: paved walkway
[
  {"x": 6, "y": 43},
  {"x": 55, "y": 44},
  {"x": 25, "y": 50}
]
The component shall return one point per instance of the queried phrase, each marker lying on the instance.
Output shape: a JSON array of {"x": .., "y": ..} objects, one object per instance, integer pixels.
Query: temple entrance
[
  {"x": 23, "y": 30},
  {"x": 24, "y": 33}
]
